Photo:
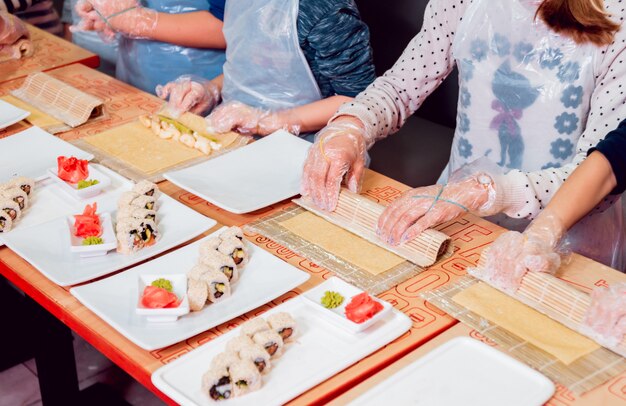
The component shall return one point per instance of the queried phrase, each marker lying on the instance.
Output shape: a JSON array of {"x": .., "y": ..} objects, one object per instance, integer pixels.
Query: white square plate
[
  {"x": 113, "y": 299},
  {"x": 249, "y": 178},
  {"x": 462, "y": 371},
  {"x": 319, "y": 351},
  {"x": 9, "y": 114},
  {"x": 31, "y": 152},
  {"x": 45, "y": 245}
]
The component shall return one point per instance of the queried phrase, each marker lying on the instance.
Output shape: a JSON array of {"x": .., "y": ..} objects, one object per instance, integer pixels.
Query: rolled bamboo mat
[{"x": 359, "y": 215}]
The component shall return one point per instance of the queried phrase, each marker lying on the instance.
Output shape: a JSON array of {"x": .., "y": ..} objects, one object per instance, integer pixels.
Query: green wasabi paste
[
  {"x": 163, "y": 283},
  {"x": 93, "y": 241},
  {"x": 331, "y": 299},
  {"x": 82, "y": 184}
]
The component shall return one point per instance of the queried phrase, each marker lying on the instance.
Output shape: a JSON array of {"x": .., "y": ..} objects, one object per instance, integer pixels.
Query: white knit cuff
[
  {"x": 512, "y": 195},
  {"x": 355, "y": 109}
]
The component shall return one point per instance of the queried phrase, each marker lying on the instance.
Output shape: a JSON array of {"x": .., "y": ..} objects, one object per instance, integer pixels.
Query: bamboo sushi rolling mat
[{"x": 50, "y": 52}]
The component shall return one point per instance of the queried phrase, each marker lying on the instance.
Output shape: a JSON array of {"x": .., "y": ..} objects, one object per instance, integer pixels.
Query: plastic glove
[
  {"x": 606, "y": 316},
  {"x": 111, "y": 16},
  {"x": 11, "y": 29},
  {"x": 339, "y": 152},
  {"x": 190, "y": 93},
  {"x": 513, "y": 254},
  {"x": 425, "y": 207},
  {"x": 248, "y": 120}
]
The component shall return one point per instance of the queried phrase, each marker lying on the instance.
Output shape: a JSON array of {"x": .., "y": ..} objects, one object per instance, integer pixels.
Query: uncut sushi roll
[
  {"x": 136, "y": 200},
  {"x": 271, "y": 341},
  {"x": 209, "y": 245},
  {"x": 283, "y": 324},
  {"x": 17, "y": 195},
  {"x": 236, "y": 249},
  {"x": 11, "y": 208},
  {"x": 245, "y": 377},
  {"x": 197, "y": 294},
  {"x": 217, "y": 384},
  {"x": 135, "y": 234},
  {"x": 147, "y": 188},
  {"x": 253, "y": 326},
  {"x": 216, "y": 261},
  {"x": 135, "y": 213},
  {"x": 257, "y": 354},
  {"x": 5, "y": 222},
  {"x": 219, "y": 287},
  {"x": 233, "y": 231},
  {"x": 22, "y": 182},
  {"x": 224, "y": 360},
  {"x": 234, "y": 345}
]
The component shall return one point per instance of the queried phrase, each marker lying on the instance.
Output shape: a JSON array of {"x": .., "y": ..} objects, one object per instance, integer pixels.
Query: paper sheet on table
[
  {"x": 342, "y": 243},
  {"x": 525, "y": 322},
  {"x": 37, "y": 117}
]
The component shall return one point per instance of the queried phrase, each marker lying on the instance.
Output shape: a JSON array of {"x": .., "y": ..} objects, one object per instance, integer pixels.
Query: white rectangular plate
[
  {"x": 45, "y": 245},
  {"x": 249, "y": 178},
  {"x": 31, "y": 152},
  {"x": 462, "y": 371},
  {"x": 114, "y": 299},
  {"x": 9, "y": 114},
  {"x": 319, "y": 351}
]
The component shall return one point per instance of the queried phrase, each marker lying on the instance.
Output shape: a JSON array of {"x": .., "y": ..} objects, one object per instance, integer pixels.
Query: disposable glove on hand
[
  {"x": 339, "y": 152},
  {"x": 108, "y": 17},
  {"x": 606, "y": 316},
  {"x": 249, "y": 120},
  {"x": 11, "y": 29},
  {"x": 190, "y": 93}
]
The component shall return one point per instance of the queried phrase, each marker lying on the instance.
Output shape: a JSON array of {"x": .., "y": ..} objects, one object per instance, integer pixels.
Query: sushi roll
[
  {"x": 224, "y": 360},
  {"x": 11, "y": 208},
  {"x": 236, "y": 249},
  {"x": 283, "y": 324},
  {"x": 219, "y": 287},
  {"x": 198, "y": 272},
  {"x": 17, "y": 195},
  {"x": 271, "y": 341},
  {"x": 216, "y": 261},
  {"x": 5, "y": 222},
  {"x": 209, "y": 245},
  {"x": 233, "y": 231},
  {"x": 197, "y": 293},
  {"x": 22, "y": 182},
  {"x": 217, "y": 384},
  {"x": 147, "y": 188},
  {"x": 135, "y": 234},
  {"x": 136, "y": 200},
  {"x": 256, "y": 325},
  {"x": 135, "y": 213},
  {"x": 257, "y": 354},
  {"x": 245, "y": 377},
  {"x": 236, "y": 344}
]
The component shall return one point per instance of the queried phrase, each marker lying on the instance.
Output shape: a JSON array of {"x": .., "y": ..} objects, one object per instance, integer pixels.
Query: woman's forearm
[{"x": 198, "y": 29}]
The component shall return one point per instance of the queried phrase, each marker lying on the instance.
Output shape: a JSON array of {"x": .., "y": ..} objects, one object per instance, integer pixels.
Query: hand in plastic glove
[
  {"x": 513, "y": 254},
  {"x": 606, "y": 316},
  {"x": 248, "y": 120},
  {"x": 11, "y": 29},
  {"x": 110, "y": 16},
  {"x": 339, "y": 151},
  {"x": 189, "y": 93},
  {"x": 425, "y": 207}
]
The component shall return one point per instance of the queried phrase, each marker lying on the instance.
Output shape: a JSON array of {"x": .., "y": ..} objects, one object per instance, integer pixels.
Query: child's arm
[{"x": 198, "y": 29}]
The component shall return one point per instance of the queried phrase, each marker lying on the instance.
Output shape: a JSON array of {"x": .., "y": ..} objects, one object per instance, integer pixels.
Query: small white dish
[
  {"x": 337, "y": 315},
  {"x": 10, "y": 114},
  {"x": 86, "y": 193},
  {"x": 179, "y": 287},
  {"x": 88, "y": 251}
]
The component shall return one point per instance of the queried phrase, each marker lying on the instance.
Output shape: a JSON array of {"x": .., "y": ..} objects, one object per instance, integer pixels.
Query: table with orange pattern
[{"x": 50, "y": 52}]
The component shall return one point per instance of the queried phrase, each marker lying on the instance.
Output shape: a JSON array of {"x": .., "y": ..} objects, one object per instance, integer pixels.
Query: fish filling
[
  {"x": 260, "y": 364},
  {"x": 221, "y": 390},
  {"x": 271, "y": 348},
  {"x": 20, "y": 201},
  {"x": 26, "y": 189},
  {"x": 286, "y": 332},
  {"x": 12, "y": 213},
  {"x": 219, "y": 290}
]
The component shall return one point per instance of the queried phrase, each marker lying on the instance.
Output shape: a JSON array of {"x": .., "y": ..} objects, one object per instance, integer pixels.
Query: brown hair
[{"x": 582, "y": 20}]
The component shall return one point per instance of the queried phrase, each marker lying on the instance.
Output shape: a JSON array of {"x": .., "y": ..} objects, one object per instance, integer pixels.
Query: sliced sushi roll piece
[
  {"x": 197, "y": 294},
  {"x": 253, "y": 326},
  {"x": 131, "y": 198},
  {"x": 17, "y": 195},
  {"x": 126, "y": 199},
  {"x": 209, "y": 245},
  {"x": 135, "y": 213},
  {"x": 199, "y": 272},
  {"x": 217, "y": 384},
  {"x": 135, "y": 234},
  {"x": 22, "y": 182},
  {"x": 283, "y": 324},
  {"x": 11, "y": 208},
  {"x": 245, "y": 377},
  {"x": 147, "y": 188},
  {"x": 5, "y": 222},
  {"x": 217, "y": 261},
  {"x": 270, "y": 341},
  {"x": 234, "y": 345},
  {"x": 259, "y": 357},
  {"x": 236, "y": 249},
  {"x": 233, "y": 231},
  {"x": 224, "y": 360},
  {"x": 219, "y": 287}
]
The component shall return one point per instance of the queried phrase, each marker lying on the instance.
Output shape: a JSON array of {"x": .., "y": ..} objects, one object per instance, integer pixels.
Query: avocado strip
[{"x": 183, "y": 128}]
